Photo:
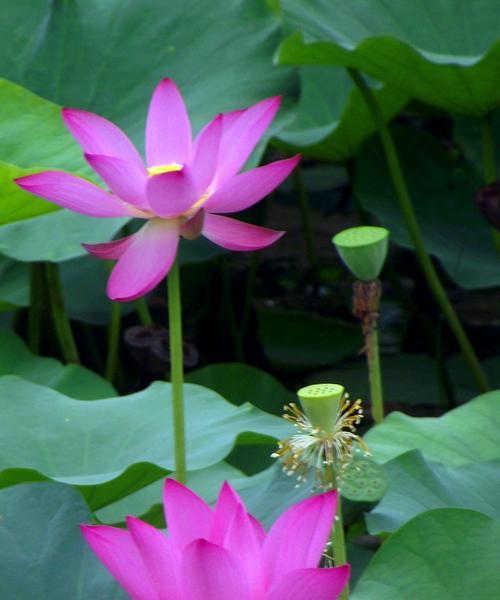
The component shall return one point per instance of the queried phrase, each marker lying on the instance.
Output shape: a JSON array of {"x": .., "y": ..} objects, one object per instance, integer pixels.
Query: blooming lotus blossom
[
  {"x": 222, "y": 554},
  {"x": 186, "y": 189}
]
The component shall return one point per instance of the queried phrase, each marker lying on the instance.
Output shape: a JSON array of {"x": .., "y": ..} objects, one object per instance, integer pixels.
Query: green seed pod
[
  {"x": 363, "y": 250},
  {"x": 321, "y": 403}
]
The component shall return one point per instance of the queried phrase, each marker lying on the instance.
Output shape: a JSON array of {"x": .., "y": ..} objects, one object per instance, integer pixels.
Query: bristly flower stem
[
  {"x": 413, "y": 227},
  {"x": 489, "y": 164},
  {"x": 59, "y": 316},
  {"x": 177, "y": 370},
  {"x": 366, "y": 304}
]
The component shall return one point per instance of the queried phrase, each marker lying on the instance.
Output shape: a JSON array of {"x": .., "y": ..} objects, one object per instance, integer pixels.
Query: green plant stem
[
  {"x": 489, "y": 164},
  {"x": 306, "y": 218},
  {"x": 413, "y": 228},
  {"x": 143, "y": 312},
  {"x": 373, "y": 357},
  {"x": 338, "y": 537},
  {"x": 113, "y": 339},
  {"x": 59, "y": 316},
  {"x": 177, "y": 370},
  {"x": 36, "y": 306}
]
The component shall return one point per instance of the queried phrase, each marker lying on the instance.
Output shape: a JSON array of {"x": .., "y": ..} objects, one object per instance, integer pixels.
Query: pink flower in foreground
[
  {"x": 186, "y": 188},
  {"x": 222, "y": 554}
]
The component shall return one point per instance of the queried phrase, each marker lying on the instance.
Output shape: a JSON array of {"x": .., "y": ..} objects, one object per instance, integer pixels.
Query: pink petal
[
  {"x": 242, "y": 134},
  {"x": 297, "y": 539},
  {"x": 125, "y": 179},
  {"x": 206, "y": 154},
  {"x": 309, "y": 584},
  {"x": 226, "y": 507},
  {"x": 168, "y": 131},
  {"x": 192, "y": 228},
  {"x": 145, "y": 262},
  {"x": 171, "y": 194},
  {"x": 188, "y": 517},
  {"x": 236, "y": 235},
  {"x": 210, "y": 572},
  {"x": 97, "y": 135},
  {"x": 259, "y": 530},
  {"x": 74, "y": 193},
  {"x": 242, "y": 541},
  {"x": 116, "y": 550},
  {"x": 160, "y": 558},
  {"x": 109, "y": 250},
  {"x": 246, "y": 189}
]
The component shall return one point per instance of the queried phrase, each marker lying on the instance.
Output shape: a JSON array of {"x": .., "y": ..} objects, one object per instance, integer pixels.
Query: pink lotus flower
[
  {"x": 186, "y": 189},
  {"x": 222, "y": 554}
]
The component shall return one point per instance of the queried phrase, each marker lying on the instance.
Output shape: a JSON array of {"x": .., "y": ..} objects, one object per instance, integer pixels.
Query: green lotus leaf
[
  {"x": 447, "y": 553},
  {"x": 418, "y": 485},
  {"x": 115, "y": 446},
  {"x": 443, "y": 53},
  {"x": 464, "y": 435},
  {"x": 42, "y": 552}
]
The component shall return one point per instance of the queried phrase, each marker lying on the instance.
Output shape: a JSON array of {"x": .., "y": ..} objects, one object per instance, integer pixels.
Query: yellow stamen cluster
[
  {"x": 314, "y": 449},
  {"x": 159, "y": 169}
]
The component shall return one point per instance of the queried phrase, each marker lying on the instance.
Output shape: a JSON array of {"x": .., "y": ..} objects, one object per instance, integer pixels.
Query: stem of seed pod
[
  {"x": 366, "y": 304},
  {"x": 410, "y": 219},
  {"x": 374, "y": 374},
  {"x": 177, "y": 370},
  {"x": 59, "y": 316},
  {"x": 489, "y": 164},
  {"x": 338, "y": 537}
]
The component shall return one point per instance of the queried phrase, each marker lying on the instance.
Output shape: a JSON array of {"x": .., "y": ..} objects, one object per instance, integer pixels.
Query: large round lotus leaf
[
  {"x": 418, "y": 485},
  {"x": 332, "y": 120},
  {"x": 464, "y": 435},
  {"x": 121, "y": 443},
  {"x": 443, "y": 554},
  {"x": 444, "y": 53},
  {"x": 42, "y": 552},
  {"x": 442, "y": 187}
]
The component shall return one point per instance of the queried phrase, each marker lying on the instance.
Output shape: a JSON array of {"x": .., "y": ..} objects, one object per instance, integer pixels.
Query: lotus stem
[
  {"x": 177, "y": 370},
  {"x": 489, "y": 164},
  {"x": 366, "y": 304},
  {"x": 114, "y": 339},
  {"x": 415, "y": 233},
  {"x": 338, "y": 536},
  {"x": 143, "y": 312},
  {"x": 306, "y": 218},
  {"x": 59, "y": 316},
  {"x": 373, "y": 356}
]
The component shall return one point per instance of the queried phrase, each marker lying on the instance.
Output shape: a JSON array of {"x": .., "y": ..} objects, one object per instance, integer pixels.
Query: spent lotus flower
[
  {"x": 185, "y": 189},
  {"x": 224, "y": 553}
]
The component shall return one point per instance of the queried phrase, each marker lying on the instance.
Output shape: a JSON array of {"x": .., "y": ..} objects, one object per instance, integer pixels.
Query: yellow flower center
[{"x": 159, "y": 169}]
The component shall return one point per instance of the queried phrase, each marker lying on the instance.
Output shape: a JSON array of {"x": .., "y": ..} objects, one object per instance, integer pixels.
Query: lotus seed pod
[
  {"x": 321, "y": 403},
  {"x": 363, "y": 250}
]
